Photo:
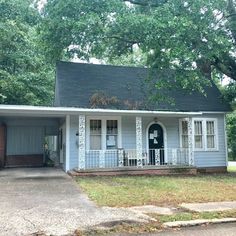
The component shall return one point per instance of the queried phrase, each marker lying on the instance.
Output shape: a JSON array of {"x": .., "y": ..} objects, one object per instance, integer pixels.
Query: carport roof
[{"x": 40, "y": 111}]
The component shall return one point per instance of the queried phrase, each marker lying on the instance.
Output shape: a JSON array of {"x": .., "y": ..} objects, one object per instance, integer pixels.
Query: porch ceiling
[{"x": 40, "y": 111}]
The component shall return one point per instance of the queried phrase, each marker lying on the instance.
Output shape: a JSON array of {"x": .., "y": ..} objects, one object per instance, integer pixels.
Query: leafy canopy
[
  {"x": 24, "y": 77},
  {"x": 195, "y": 38}
]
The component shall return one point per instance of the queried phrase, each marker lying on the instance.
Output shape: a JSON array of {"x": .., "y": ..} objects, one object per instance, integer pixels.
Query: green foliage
[
  {"x": 193, "y": 37},
  {"x": 24, "y": 76},
  {"x": 229, "y": 92},
  {"x": 231, "y": 131}
]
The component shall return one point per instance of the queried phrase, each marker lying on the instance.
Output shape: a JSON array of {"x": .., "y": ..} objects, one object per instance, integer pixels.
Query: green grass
[
  {"x": 165, "y": 190},
  {"x": 194, "y": 216},
  {"x": 231, "y": 168}
]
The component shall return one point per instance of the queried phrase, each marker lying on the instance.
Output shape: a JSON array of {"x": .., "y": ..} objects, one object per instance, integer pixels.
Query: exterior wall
[
  {"x": 26, "y": 135},
  {"x": 213, "y": 158},
  {"x": 128, "y": 131},
  {"x": 25, "y": 140},
  {"x": 202, "y": 158}
]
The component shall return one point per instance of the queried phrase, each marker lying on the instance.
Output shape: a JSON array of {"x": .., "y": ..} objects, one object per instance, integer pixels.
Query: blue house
[{"x": 105, "y": 118}]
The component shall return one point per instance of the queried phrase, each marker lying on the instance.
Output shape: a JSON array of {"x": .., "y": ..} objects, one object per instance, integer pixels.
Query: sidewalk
[
  {"x": 204, "y": 207},
  {"x": 210, "y": 206}
]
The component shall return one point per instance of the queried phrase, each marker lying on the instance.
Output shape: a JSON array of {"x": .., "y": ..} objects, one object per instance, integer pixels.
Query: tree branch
[
  {"x": 226, "y": 66},
  {"x": 147, "y": 3}
]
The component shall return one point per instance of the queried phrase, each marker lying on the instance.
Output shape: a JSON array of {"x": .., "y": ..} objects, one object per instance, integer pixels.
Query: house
[{"x": 104, "y": 118}]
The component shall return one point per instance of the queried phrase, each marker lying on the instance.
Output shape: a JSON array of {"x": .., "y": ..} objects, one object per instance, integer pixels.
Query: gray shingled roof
[{"x": 124, "y": 88}]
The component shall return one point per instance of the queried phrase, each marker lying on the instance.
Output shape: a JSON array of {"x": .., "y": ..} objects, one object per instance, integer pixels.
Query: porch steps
[{"x": 165, "y": 170}]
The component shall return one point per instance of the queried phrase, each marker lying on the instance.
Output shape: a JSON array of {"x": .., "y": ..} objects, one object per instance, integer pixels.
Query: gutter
[{"x": 21, "y": 109}]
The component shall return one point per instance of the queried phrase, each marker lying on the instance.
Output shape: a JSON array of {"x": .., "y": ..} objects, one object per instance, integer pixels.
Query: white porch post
[
  {"x": 139, "y": 141},
  {"x": 190, "y": 142},
  {"x": 67, "y": 152},
  {"x": 81, "y": 146},
  {"x": 102, "y": 159}
]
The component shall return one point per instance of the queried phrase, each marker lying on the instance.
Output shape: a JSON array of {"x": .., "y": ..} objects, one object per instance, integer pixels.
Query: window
[
  {"x": 205, "y": 134},
  {"x": 210, "y": 134},
  {"x": 184, "y": 133},
  {"x": 95, "y": 134},
  {"x": 111, "y": 134},
  {"x": 103, "y": 133},
  {"x": 198, "y": 135}
]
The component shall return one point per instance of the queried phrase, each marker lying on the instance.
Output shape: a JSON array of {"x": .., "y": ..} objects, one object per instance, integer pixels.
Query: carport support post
[
  {"x": 81, "y": 146},
  {"x": 67, "y": 167},
  {"x": 139, "y": 141}
]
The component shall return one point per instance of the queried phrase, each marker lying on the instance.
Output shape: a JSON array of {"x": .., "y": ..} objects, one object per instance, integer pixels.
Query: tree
[
  {"x": 231, "y": 133},
  {"x": 196, "y": 38},
  {"x": 24, "y": 77}
]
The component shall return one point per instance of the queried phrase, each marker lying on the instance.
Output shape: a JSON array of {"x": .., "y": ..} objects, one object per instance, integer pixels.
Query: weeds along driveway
[{"x": 47, "y": 199}]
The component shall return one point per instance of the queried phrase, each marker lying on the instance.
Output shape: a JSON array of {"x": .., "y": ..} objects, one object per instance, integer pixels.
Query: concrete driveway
[{"x": 48, "y": 200}]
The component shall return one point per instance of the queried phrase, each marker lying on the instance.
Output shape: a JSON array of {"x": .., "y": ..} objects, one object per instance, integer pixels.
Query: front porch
[
  {"x": 121, "y": 158},
  {"x": 135, "y": 142}
]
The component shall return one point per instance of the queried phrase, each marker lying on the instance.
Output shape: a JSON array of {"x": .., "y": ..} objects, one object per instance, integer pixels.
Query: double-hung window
[
  {"x": 198, "y": 134},
  {"x": 205, "y": 134},
  {"x": 210, "y": 134},
  {"x": 103, "y": 133},
  {"x": 95, "y": 134},
  {"x": 111, "y": 134},
  {"x": 184, "y": 133}
]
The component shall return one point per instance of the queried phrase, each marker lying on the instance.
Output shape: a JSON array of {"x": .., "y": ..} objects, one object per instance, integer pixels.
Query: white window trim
[
  {"x": 103, "y": 134},
  {"x": 204, "y": 135}
]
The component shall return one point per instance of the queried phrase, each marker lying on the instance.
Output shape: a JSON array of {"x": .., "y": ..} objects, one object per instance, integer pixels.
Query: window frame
[
  {"x": 104, "y": 120},
  {"x": 181, "y": 131},
  {"x": 204, "y": 134},
  {"x": 94, "y": 134}
]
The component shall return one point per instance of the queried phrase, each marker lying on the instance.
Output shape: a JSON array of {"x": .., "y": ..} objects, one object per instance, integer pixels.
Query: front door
[{"x": 156, "y": 141}]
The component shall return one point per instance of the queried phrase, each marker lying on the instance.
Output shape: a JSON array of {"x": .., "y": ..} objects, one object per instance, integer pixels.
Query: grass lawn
[
  {"x": 159, "y": 190},
  {"x": 232, "y": 168}
]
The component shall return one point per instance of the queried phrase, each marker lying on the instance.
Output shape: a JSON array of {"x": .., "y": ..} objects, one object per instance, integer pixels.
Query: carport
[{"x": 28, "y": 135}]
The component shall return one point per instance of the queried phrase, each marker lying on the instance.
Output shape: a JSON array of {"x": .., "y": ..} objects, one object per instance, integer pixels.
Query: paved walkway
[
  {"x": 47, "y": 199},
  {"x": 228, "y": 229},
  {"x": 210, "y": 206}
]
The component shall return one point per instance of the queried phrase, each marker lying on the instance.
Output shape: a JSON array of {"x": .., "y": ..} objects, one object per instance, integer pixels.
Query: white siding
[
  {"x": 213, "y": 158},
  {"x": 128, "y": 131},
  {"x": 202, "y": 159}
]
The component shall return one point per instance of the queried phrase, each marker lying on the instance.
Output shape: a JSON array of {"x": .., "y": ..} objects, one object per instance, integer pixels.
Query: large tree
[
  {"x": 196, "y": 38},
  {"x": 24, "y": 76}
]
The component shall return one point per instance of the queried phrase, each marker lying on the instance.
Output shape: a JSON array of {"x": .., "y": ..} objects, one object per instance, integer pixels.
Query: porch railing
[{"x": 128, "y": 158}]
